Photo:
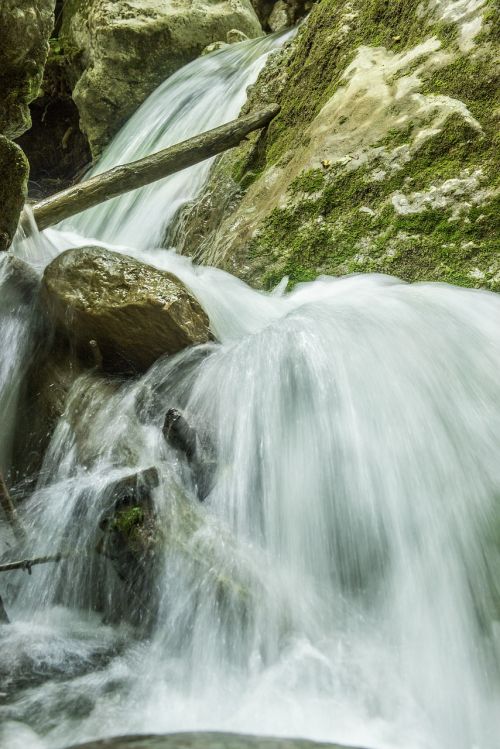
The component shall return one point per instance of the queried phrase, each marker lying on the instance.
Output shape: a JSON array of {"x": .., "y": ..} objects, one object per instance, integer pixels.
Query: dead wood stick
[
  {"x": 128, "y": 177},
  {"x": 27, "y": 564},
  {"x": 10, "y": 511}
]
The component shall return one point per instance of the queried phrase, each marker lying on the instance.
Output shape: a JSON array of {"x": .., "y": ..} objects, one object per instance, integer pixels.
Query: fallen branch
[
  {"x": 10, "y": 510},
  {"x": 27, "y": 564},
  {"x": 128, "y": 177}
]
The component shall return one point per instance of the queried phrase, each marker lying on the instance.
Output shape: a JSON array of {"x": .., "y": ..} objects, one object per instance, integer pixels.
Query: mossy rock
[
  {"x": 14, "y": 171},
  {"x": 25, "y": 28},
  {"x": 385, "y": 156}
]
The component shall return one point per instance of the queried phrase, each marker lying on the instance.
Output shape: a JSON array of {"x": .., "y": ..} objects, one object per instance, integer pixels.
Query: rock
[
  {"x": 130, "y": 541},
  {"x": 25, "y": 28},
  {"x": 263, "y": 9},
  {"x": 204, "y": 741},
  {"x": 199, "y": 453},
  {"x": 234, "y": 36},
  {"x": 214, "y": 47},
  {"x": 384, "y": 157},
  {"x": 56, "y": 148},
  {"x": 23, "y": 280},
  {"x": 121, "y": 51},
  {"x": 279, "y": 18},
  {"x": 48, "y": 382},
  {"x": 4, "y": 619},
  {"x": 14, "y": 170},
  {"x": 135, "y": 312},
  {"x": 273, "y": 12},
  {"x": 18, "y": 295}
]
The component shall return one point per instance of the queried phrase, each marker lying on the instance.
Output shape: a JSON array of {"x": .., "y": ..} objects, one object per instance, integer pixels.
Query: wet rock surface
[
  {"x": 48, "y": 382},
  {"x": 133, "y": 311},
  {"x": 14, "y": 171},
  {"x": 130, "y": 542}
]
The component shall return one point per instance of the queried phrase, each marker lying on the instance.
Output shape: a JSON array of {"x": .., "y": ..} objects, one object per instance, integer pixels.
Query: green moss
[
  {"x": 340, "y": 219},
  {"x": 325, "y": 231},
  {"x": 309, "y": 181},
  {"x": 129, "y": 520},
  {"x": 14, "y": 170},
  {"x": 324, "y": 51},
  {"x": 330, "y": 234}
]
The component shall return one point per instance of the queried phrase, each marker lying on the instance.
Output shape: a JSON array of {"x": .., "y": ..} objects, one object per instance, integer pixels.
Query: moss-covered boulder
[
  {"x": 385, "y": 156},
  {"x": 121, "y": 51},
  {"x": 135, "y": 313},
  {"x": 14, "y": 170},
  {"x": 25, "y": 28}
]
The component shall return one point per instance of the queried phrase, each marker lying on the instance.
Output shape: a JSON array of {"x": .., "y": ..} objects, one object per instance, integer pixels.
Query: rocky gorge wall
[
  {"x": 25, "y": 27},
  {"x": 384, "y": 158}
]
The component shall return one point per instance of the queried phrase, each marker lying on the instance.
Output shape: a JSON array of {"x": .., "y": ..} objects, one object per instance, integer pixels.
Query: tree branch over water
[{"x": 128, "y": 177}]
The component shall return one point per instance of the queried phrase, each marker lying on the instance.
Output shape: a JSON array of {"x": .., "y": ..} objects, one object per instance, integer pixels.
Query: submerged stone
[{"x": 135, "y": 313}]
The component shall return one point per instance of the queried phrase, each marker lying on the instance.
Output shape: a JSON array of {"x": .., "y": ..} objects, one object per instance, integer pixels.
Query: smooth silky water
[{"x": 342, "y": 579}]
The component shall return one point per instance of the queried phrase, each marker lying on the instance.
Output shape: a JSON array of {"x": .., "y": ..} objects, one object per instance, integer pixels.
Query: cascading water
[{"x": 342, "y": 579}]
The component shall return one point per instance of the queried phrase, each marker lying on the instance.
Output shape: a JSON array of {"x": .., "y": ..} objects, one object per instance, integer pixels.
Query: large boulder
[
  {"x": 121, "y": 51},
  {"x": 384, "y": 157},
  {"x": 25, "y": 28},
  {"x": 133, "y": 311}
]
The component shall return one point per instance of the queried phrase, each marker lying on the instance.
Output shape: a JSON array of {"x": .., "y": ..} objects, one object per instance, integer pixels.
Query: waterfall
[{"x": 341, "y": 581}]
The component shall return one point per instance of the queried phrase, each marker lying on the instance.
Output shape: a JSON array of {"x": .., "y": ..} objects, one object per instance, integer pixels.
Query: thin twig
[{"x": 27, "y": 564}]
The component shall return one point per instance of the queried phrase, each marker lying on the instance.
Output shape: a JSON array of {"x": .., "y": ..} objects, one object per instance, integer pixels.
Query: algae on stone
[
  {"x": 14, "y": 170},
  {"x": 384, "y": 157}
]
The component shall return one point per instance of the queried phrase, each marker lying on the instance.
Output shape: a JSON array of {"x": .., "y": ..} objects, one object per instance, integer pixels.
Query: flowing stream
[{"x": 341, "y": 581}]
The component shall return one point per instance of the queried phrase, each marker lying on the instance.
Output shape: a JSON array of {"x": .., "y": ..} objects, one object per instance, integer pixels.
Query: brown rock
[{"x": 135, "y": 312}]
